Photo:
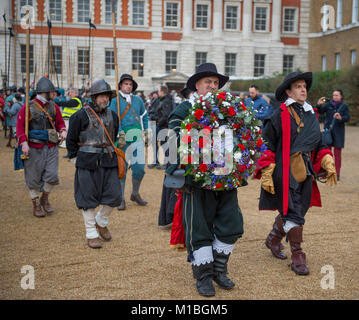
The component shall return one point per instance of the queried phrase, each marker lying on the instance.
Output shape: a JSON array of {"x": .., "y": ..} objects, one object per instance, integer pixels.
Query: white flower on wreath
[{"x": 237, "y": 156}]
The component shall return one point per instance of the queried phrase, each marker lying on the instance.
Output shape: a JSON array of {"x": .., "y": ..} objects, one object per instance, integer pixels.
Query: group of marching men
[{"x": 212, "y": 220}]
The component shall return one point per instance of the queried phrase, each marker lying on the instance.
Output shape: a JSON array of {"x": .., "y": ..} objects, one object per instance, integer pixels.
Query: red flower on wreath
[
  {"x": 241, "y": 146},
  {"x": 188, "y": 126},
  {"x": 221, "y": 95},
  {"x": 246, "y": 136},
  {"x": 198, "y": 114},
  {"x": 203, "y": 167},
  {"x": 259, "y": 143},
  {"x": 219, "y": 185},
  {"x": 231, "y": 111},
  {"x": 236, "y": 126}
]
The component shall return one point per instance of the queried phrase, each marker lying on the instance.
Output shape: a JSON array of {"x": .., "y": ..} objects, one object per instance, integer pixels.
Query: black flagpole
[
  {"x": 48, "y": 46},
  {"x": 91, "y": 25},
  {"x": 9, "y": 55},
  {"x": 4, "y": 16}
]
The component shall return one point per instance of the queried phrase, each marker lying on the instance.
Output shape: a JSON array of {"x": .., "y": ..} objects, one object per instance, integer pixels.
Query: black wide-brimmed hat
[
  {"x": 185, "y": 92},
  {"x": 288, "y": 80},
  {"x": 206, "y": 70},
  {"x": 129, "y": 77}
]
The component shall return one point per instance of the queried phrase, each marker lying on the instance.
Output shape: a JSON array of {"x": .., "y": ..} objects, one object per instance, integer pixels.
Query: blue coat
[
  {"x": 338, "y": 132},
  {"x": 264, "y": 110},
  {"x": 129, "y": 119}
]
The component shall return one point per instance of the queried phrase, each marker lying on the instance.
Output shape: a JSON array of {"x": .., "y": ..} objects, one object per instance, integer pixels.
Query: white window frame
[
  {"x": 47, "y": 11},
  {"x": 295, "y": 20},
  {"x": 103, "y": 13},
  {"x": 176, "y": 69},
  {"x": 293, "y": 64},
  {"x": 84, "y": 62},
  {"x": 208, "y": 3},
  {"x": 261, "y": 5},
  {"x": 235, "y": 63},
  {"x": 61, "y": 60},
  {"x": 196, "y": 65},
  {"x": 232, "y": 4},
  {"x": 111, "y": 62},
  {"x": 324, "y": 63},
  {"x": 75, "y": 12},
  {"x": 130, "y": 15},
  {"x": 143, "y": 63},
  {"x": 265, "y": 64},
  {"x": 178, "y": 15},
  {"x": 339, "y": 10},
  {"x": 353, "y": 57},
  {"x": 355, "y": 11},
  {"x": 337, "y": 61}
]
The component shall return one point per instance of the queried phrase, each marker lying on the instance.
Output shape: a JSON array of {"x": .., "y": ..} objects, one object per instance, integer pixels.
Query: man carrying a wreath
[{"x": 212, "y": 219}]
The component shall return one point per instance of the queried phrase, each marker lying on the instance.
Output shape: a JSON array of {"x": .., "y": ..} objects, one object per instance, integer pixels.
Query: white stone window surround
[
  {"x": 295, "y": 31},
  {"x": 179, "y": 10},
  {"x": 261, "y": 5},
  {"x": 232, "y": 4},
  {"x": 130, "y": 14},
  {"x": 18, "y": 10},
  {"x": 75, "y": 12},
  {"x": 47, "y": 11},
  {"x": 355, "y": 11},
  {"x": 324, "y": 63},
  {"x": 209, "y": 10},
  {"x": 339, "y": 12},
  {"x": 118, "y": 15}
]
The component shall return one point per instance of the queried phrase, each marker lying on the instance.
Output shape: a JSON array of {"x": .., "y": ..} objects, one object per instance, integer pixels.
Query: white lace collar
[{"x": 306, "y": 105}]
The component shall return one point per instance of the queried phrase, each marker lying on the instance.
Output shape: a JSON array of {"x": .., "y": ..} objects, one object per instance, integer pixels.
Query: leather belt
[{"x": 91, "y": 149}]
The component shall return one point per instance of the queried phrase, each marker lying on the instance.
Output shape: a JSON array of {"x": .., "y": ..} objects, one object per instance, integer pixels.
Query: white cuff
[
  {"x": 222, "y": 247},
  {"x": 202, "y": 256},
  {"x": 289, "y": 225}
]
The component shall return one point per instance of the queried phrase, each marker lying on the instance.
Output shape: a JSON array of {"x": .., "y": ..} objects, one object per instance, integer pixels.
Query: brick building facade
[
  {"x": 162, "y": 41},
  {"x": 334, "y": 34}
]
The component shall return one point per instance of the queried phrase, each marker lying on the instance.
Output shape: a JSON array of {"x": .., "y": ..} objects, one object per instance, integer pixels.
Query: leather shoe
[
  {"x": 94, "y": 243},
  {"x": 37, "y": 208},
  {"x": 104, "y": 233},
  {"x": 122, "y": 206},
  {"x": 137, "y": 198}
]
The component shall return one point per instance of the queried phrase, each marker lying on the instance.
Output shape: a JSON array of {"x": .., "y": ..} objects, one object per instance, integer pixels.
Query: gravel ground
[{"x": 139, "y": 264}]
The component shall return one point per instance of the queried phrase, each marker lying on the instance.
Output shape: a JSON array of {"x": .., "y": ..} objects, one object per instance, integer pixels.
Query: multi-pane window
[
  {"x": 109, "y": 63},
  {"x": 231, "y": 17},
  {"x": 353, "y": 57},
  {"x": 83, "y": 10},
  {"x": 355, "y": 11},
  {"x": 261, "y": 17},
  {"x": 201, "y": 57},
  {"x": 230, "y": 64},
  {"x": 55, "y": 10},
  {"x": 83, "y": 59},
  {"x": 172, "y": 14},
  {"x": 290, "y": 20},
  {"x": 23, "y": 58},
  {"x": 25, "y": 3},
  {"x": 171, "y": 61},
  {"x": 202, "y": 16},
  {"x": 57, "y": 56},
  {"x": 138, "y": 13},
  {"x": 259, "y": 64},
  {"x": 337, "y": 61},
  {"x": 288, "y": 63},
  {"x": 108, "y": 11},
  {"x": 324, "y": 63},
  {"x": 138, "y": 61}
]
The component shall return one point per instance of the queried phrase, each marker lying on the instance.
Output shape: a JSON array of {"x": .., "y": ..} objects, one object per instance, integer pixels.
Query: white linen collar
[{"x": 306, "y": 105}]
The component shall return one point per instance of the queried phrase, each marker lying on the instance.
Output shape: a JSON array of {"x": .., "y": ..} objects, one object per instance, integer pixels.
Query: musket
[
  {"x": 115, "y": 60},
  {"x": 27, "y": 107}
]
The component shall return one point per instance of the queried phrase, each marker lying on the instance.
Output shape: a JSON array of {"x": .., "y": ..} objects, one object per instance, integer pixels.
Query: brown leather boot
[
  {"x": 37, "y": 208},
  {"x": 44, "y": 201},
  {"x": 273, "y": 241},
  {"x": 295, "y": 237},
  {"x": 104, "y": 233},
  {"x": 94, "y": 243}
]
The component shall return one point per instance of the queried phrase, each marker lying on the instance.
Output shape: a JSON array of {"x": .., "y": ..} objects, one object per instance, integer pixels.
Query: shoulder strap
[
  {"x": 126, "y": 110},
  {"x": 37, "y": 106},
  {"x": 103, "y": 126}
]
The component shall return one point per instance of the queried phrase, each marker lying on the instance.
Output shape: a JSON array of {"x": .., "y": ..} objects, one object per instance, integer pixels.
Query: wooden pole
[
  {"x": 15, "y": 75},
  {"x": 27, "y": 77},
  {"x": 115, "y": 60}
]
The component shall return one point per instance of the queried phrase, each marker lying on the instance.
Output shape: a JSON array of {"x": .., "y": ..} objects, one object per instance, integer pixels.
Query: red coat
[{"x": 20, "y": 125}]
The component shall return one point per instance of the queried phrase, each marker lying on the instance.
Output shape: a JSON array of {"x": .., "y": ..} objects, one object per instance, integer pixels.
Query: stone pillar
[
  {"x": 276, "y": 17},
  {"x": 217, "y": 19},
  {"x": 187, "y": 19},
  {"x": 247, "y": 19}
]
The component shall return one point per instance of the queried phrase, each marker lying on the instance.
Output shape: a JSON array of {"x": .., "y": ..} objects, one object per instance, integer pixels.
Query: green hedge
[{"x": 323, "y": 85}]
